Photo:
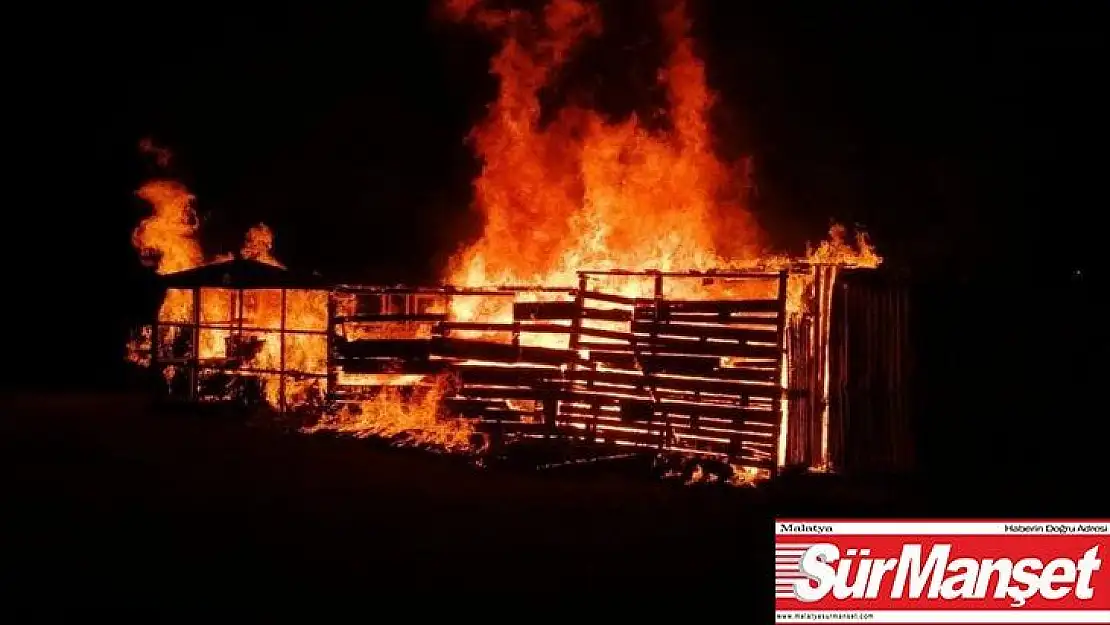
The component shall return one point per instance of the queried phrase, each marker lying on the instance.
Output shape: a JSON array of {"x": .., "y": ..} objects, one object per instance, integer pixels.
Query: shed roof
[{"x": 242, "y": 273}]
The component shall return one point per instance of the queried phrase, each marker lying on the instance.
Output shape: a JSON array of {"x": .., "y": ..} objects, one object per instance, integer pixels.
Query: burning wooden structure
[
  {"x": 740, "y": 374},
  {"x": 242, "y": 329},
  {"x": 730, "y": 363}
]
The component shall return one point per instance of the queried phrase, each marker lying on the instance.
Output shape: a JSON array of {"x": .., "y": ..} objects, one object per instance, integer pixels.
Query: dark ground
[{"x": 104, "y": 496}]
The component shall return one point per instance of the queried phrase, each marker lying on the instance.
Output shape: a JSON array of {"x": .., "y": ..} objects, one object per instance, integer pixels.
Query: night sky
[{"x": 963, "y": 139}]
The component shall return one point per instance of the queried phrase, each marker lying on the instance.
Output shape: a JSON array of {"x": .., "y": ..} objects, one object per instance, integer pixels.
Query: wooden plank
[
  {"x": 506, "y": 376},
  {"x": 666, "y": 394},
  {"x": 687, "y": 347},
  {"x": 739, "y": 319},
  {"x": 499, "y": 352},
  {"x": 553, "y": 311},
  {"x": 708, "y": 385},
  {"x": 477, "y": 409},
  {"x": 480, "y": 326},
  {"x": 470, "y": 403},
  {"x": 577, "y": 394},
  {"x": 624, "y": 358},
  {"x": 721, "y": 307},
  {"x": 653, "y": 439},
  {"x": 534, "y": 328},
  {"x": 613, "y": 299},
  {"x": 391, "y": 365},
  {"x": 607, "y": 314},
  {"x": 742, "y": 335},
  {"x": 685, "y": 365},
  {"x": 520, "y": 428},
  {"x": 642, "y": 438},
  {"x": 377, "y": 348},
  {"x": 504, "y": 392},
  {"x": 668, "y": 345},
  {"x": 381, "y": 318},
  {"x": 543, "y": 310},
  {"x": 744, "y": 419},
  {"x": 683, "y": 425},
  {"x": 753, "y": 374}
]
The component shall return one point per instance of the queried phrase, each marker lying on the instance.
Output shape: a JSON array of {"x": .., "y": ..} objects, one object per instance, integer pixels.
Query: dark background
[{"x": 966, "y": 139}]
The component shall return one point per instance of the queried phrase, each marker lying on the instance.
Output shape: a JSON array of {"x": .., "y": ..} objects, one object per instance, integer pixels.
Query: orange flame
[
  {"x": 584, "y": 193},
  {"x": 837, "y": 251},
  {"x": 259, "y": 245},
  {"x": 167, "y": 239},
  {"x": 410, "y": 421}
]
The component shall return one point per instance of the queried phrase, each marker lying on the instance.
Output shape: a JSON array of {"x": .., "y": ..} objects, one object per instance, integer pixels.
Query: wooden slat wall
[
  {"x": 870, "y": 412},
  {"x": 644, "y": 372}
]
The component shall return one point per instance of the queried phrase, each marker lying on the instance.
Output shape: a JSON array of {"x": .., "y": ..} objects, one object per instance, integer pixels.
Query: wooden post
[
  {"x": 576, "y": 320},
  {"x": 281, "y": 366},
  {"x": 573, "y": 342},
  {"x": 660, "y": 306},
  {"x": 332, "y": 373},
  {"x": 781, "y": 326},
  {"x": 659, "y": 311},
  {"x": 194, "y": 360},
  {"x": 154, "y": 329},
  {"x": 813, "y": 444},
  {"x": 828, "y": 280}
]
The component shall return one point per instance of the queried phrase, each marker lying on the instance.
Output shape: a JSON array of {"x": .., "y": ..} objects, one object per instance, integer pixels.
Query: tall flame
[
  {"x": 582, "y": 192},
  {"x": 167, "y": 238},
  {"x": 259, "y": 245}
]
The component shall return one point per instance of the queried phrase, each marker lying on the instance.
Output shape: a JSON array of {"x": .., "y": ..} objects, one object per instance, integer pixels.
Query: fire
[
  {"x": 167, "y": 238},
  {"x": 836, "y": 251},
  {"x": 560, "y": 192},
  {"x": 250, "y": 322},
  {"x": 259, "y": 245},
  {"x": 410, "y": 421},
  {"x": 581, "y": 192}
]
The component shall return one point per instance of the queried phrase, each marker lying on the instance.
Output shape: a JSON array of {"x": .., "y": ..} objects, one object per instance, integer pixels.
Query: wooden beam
[
  {"x": 622, "y": 357},
  {"x": 737, "y": 319},
  {"x": 664, "y": 346},
  {"x": 394, "y": 348},
  {"x": 543, "y": 310},
  {"x": 721, "y": 307},
  {"x": 708, "y": 331},
  {"x": 394, "y": 318},
  {"x": 664, "y": 382},
  {"x": 500, "y": 352},
  {"x": 390, "y": 365},
  {"x": 505, "y": 376}
]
